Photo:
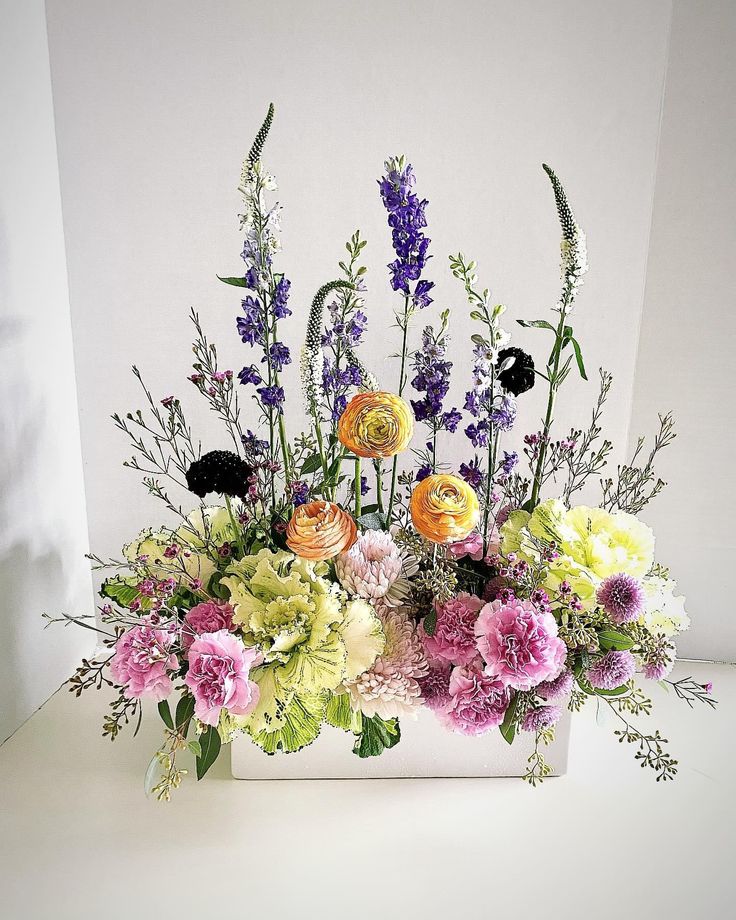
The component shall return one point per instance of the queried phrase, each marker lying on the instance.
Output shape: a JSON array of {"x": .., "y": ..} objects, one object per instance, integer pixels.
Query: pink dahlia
[
  {"x": 435, "y": 686},
  {"x": 541, "y": 717},
  {"x": 371, "y": 567},
  {"x": 205, "y": 618},
  {"x": 218, "y": 676},
  {"x": 390, "y": 687},
  {"x": 554, "y": 689},
  {"x": 143, "y": 660},
  {"x": 519, "y": 643},
  {"x": 622, "y": 597},
  {"x": 453, "y": 639},
  {"x": 477, "y": 702},
  {"x": 611, "y": 670}
]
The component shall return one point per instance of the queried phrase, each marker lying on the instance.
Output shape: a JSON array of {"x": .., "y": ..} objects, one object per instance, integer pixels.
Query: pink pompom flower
[
  {"x": 218, "y": 676},
  {"x": 453, "y": 639},
  {"x": 612, "y": 670},
  {"x": 143, "y": 660},
  {"x": 206, "y": 618},
  {"x": 541, "y": 717},
  {"x": 477, "y": 702},
  {"x": 519, "y": 643},
  {"x": 559, "y": 687}
]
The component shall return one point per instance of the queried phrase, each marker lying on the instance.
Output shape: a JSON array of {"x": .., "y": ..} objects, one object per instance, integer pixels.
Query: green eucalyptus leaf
[
  {"x": 164, "y": 710},
  {"x": 611, "y": 639},
  {"x": 508, "y": 726},
  {"x": 236, "y": 282},
  {"x": 210, "y": 745}
]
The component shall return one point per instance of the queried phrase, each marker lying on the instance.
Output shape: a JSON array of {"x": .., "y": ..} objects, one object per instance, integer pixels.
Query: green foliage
[
  {"x": 376, "y": 736},
  {"x": 210, "y": 744}
]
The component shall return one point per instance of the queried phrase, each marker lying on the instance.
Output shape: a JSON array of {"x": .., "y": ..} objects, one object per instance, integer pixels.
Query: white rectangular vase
[{"x": 426, "y": 749}]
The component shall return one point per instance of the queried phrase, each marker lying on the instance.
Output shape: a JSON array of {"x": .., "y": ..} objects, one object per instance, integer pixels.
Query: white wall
[
  {"x": 43, "y": 528},
  {"x": 157, "y": 103},
  {"x": 686, "y": 359}
]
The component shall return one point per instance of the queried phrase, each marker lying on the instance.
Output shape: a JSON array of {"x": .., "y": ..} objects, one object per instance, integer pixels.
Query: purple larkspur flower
[
  {"x": 478, "y": 433},
  {"x": 250, "y": 326},
  {"x": 249, "y": 375},
  {"x": 450, "y": 420},
  {"x": 510, "y": 459},
  {"x": 472, "y": 473},
  {"x": 612, "y": 670},
  {"x": 279, "y": 355},
  {"x": 280, "y": 298},
  {"x": 271, "y": 396},
  {"x": 423, "y": 472},
  {"x": 254, "y": 446},
  {"x": 503, "y": 413},
  {"x": 299, "y": 492},
  {"x": 622, "y": 597}
]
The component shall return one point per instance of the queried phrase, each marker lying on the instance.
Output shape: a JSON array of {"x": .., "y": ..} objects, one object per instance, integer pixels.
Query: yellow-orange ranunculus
[
  {"x": 376, "y": 424},
  {"x": 320, "y": 530},
  {"x": 443, "y": 508}
]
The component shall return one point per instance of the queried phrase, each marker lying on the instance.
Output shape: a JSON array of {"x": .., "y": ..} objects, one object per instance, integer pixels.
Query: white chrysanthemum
[
  {"x": 390, "y": 687},
  {"x": 371, "y": 565}
]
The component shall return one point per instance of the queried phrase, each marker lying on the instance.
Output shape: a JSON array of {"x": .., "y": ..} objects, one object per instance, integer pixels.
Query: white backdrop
[
  {"x": 157, "y": 103},
  {"x": 686, "y": 360},
  {"x": 43, "y": 527}
]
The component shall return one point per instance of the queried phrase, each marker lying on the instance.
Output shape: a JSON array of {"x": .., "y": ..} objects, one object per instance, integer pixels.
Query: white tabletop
[{"x": 78, "y": 838}]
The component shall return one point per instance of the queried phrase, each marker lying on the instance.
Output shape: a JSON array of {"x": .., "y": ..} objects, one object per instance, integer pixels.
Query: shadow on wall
[{"x": 43, "y": 534}]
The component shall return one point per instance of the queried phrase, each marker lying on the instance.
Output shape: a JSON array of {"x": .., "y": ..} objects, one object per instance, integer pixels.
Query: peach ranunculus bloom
[
  {"x": 320, "y": 530},
  {"x": 444, "y": 508},
  {"x": 376, "y": 424}
]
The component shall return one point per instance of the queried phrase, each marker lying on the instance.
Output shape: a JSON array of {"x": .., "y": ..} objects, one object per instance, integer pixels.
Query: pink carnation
[
  {"x": 205, "y": 618},
  {"x": 453, "y": 639},
  {"x": 218, "y": 676},
  {"x": 435, "y": 686},
  {"x": 142, "y": 662},
  {"x": 519, "y": 643},
  {"x": 477, "y": 702}
]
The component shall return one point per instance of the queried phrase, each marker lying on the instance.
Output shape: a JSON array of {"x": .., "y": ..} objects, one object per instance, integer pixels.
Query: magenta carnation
[
  {"x": 206, "y": 618},
  {"x": 611, "y": 670},
  {"x": 435, "y": 686},
  {"x": 453, "y": 639},
  {"x": 477, "y": 702},
  {"x": 519, "y": 643},
  {"x": 218, "y": 676},
  {"x": 622, "y": 597},
  {"x": 541, "y": 717},
  {"x": 554, "y": 689},
  {"x": 143, "y": 660}
]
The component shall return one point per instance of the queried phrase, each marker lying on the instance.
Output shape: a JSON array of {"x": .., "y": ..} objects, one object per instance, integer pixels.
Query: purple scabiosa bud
[
  {"x": 611, "y": 670},
  {"x": 622, "y": 597}
]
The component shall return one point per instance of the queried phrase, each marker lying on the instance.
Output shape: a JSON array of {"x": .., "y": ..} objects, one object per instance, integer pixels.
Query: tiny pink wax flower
[
  {"x": 205, "y": 618},
  {"x": 477, "y": 702},
  {"x": 218, "y": 676},
  {"x": 453, "y": 639},
  {"x": 519, "y": 643},
  {"x": 142, "y": 662}
]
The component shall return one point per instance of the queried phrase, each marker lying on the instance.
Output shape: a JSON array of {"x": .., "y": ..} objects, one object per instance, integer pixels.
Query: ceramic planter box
[{"x": 426, "y": 749}]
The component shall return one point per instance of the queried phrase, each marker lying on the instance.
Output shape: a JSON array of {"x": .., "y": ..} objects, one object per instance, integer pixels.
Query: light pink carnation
[
  {"x": 218, "y": 676},
  {"x": 143, "y": 660},
  {"x": 519, "y": 643},
  {"x": 205, "y": 618},
  {"x": 435, "y": 686},
  {"x": 471, "y": 546},
  {"x": 453, "y": 639},
  {"x": 477, "y": 702}
]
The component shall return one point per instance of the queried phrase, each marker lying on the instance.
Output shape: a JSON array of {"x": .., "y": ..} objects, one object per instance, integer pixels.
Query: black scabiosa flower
[
  {"x": 219, "y": 471},
  {"x": 519, "y": 376}
]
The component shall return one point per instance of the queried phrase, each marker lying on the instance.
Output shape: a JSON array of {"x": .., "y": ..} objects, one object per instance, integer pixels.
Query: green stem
[
  {"x": 236, "y": 527},
  {"x": 548, "y": 418},
  {"x": 379, "y": 484},
  {"x": 321, "y": 447},
  {"x": 356, "y": 487},
  {"x": 394, "y": 467}
]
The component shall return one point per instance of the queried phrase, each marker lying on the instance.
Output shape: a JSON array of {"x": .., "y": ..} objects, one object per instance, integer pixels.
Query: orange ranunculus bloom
[
  {"x": 320, "y": 530},
  {"x": 444, "y": 508},
  {"x": 376, "y": 424}
]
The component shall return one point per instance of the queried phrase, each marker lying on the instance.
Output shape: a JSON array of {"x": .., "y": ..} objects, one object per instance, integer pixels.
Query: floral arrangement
[{"x": 334, "y": 585}]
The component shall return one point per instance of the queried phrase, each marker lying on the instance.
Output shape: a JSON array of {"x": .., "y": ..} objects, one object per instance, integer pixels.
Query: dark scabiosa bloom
[
  {"x": 219, "y": 471},
  {"x": 517, "y": 370},
  {"x": 407, "y": 220}
]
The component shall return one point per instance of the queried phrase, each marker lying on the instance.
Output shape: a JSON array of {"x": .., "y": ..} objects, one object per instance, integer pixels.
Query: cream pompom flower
[
  {"x": 374, "y": 568},
  {"x": 390, "y": 687}
]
